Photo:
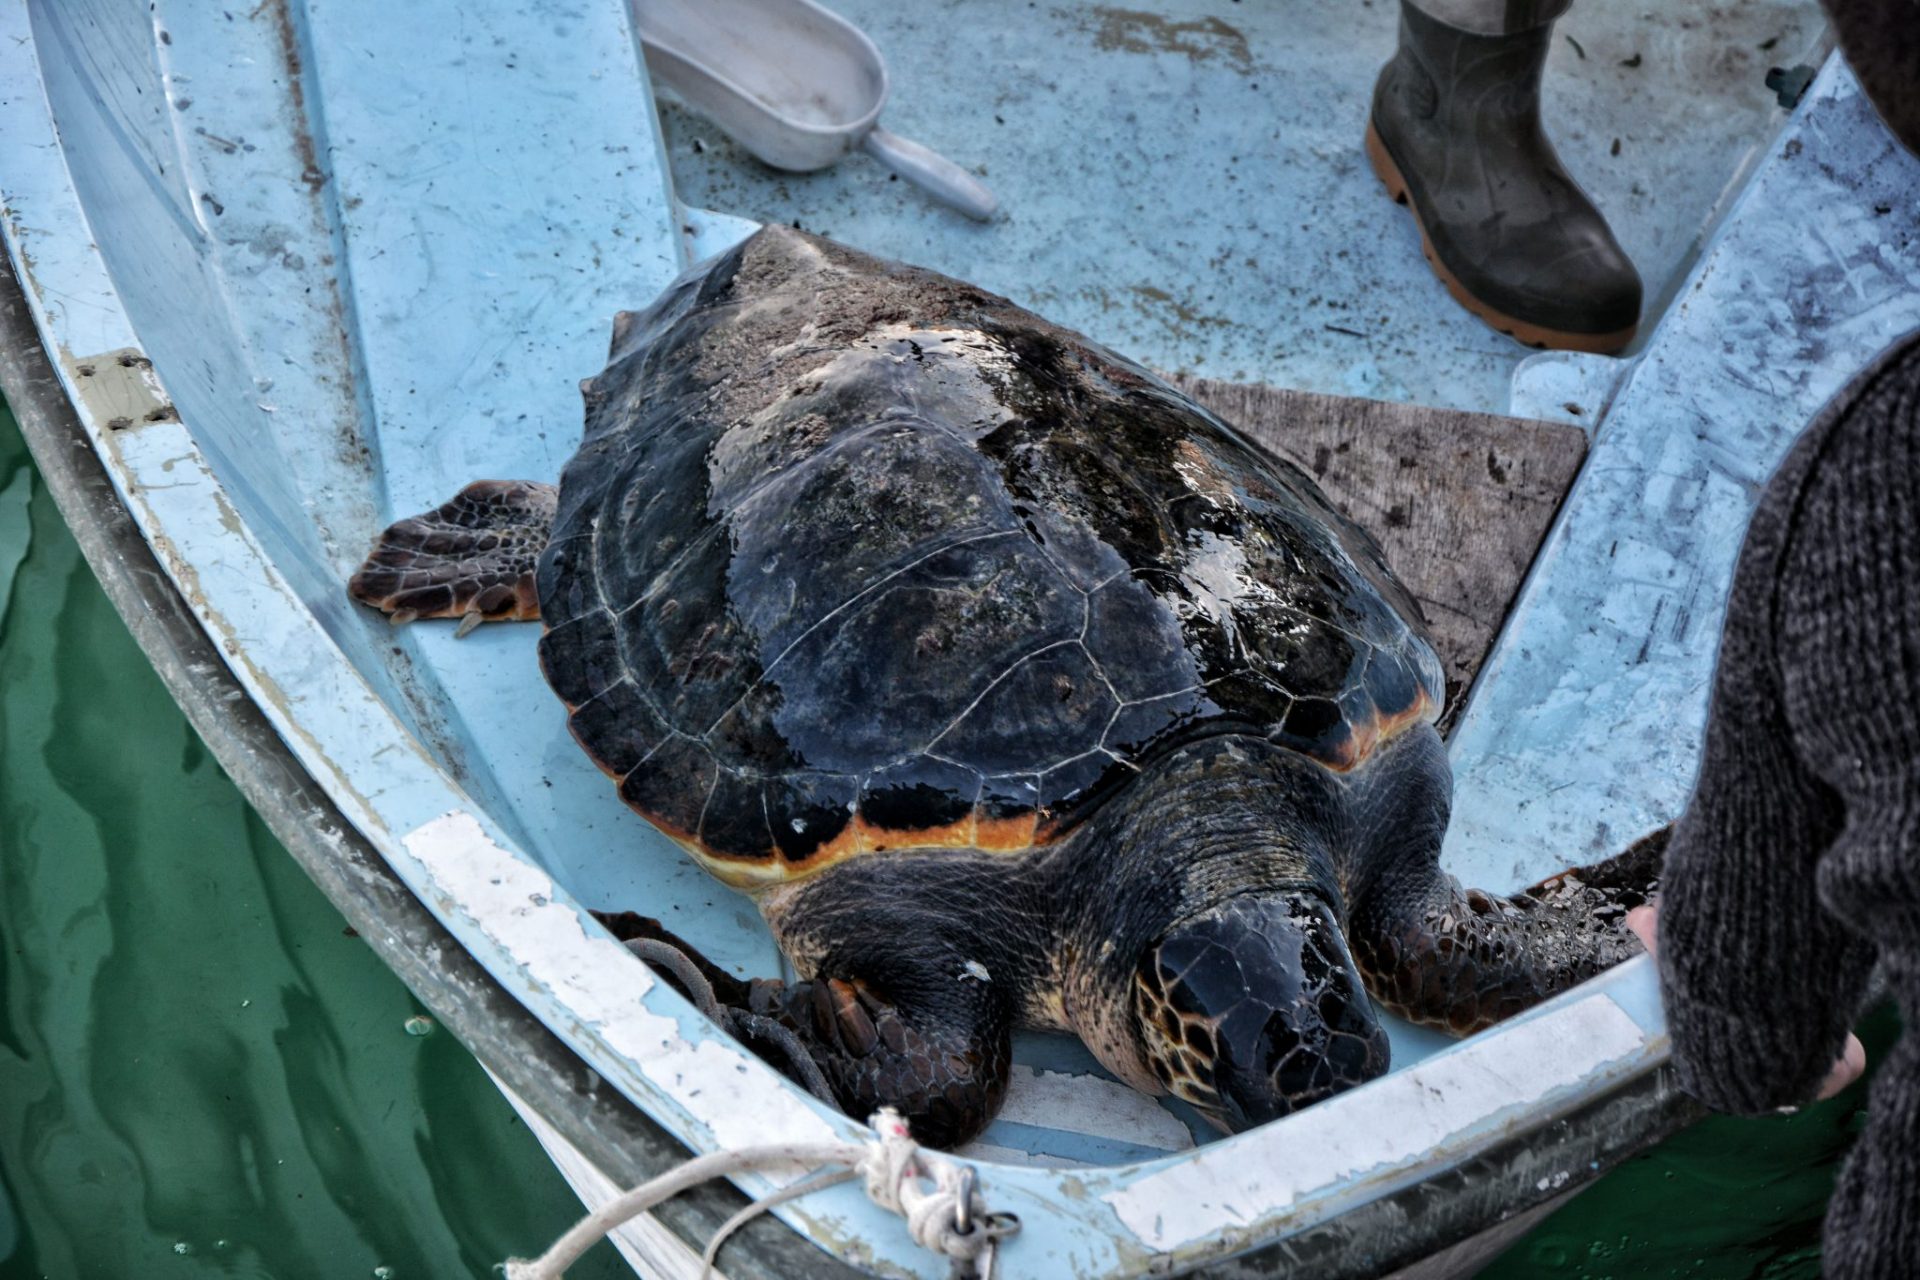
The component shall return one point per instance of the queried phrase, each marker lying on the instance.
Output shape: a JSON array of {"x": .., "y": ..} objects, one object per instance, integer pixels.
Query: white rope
[
  {"x": 897, "y": 1173},
  {"x": 805, "y": 1187}
]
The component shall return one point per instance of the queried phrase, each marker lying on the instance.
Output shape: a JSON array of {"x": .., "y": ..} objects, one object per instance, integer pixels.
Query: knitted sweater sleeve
[{"x": 1759, "y": 981}]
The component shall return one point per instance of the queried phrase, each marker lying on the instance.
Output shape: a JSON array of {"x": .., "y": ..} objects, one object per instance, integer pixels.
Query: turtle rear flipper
[
  {"x": 942, "y": 1061},
  {"x": 1463, "y": 959},
  {"x": 471, "y": 558}
]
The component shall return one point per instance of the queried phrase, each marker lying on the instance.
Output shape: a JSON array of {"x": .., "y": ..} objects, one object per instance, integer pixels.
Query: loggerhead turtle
[{"x": 1015, "y": 687}]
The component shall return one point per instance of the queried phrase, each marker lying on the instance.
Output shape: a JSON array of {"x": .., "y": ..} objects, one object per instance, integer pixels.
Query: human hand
[{"x": 1645, "y": 923}]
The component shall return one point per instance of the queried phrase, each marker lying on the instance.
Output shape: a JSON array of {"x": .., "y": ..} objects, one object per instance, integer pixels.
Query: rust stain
[
  {"x": 1136, "y": 31},
  {"x": 310, "y": 171}
]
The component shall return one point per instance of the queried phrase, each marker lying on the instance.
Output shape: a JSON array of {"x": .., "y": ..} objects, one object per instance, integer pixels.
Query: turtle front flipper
[
  {"x": 471, "y": 558},
  {"x": 1440, "y": 954},
  {"x": 941, "y": 1057},
  {"x": 1463, "y": 959}
]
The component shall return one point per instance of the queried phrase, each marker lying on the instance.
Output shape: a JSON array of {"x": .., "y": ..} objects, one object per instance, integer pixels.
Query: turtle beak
[{"x": 1254, "y": 1009}]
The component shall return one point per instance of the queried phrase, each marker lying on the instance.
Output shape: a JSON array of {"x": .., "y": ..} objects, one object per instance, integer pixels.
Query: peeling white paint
[
  {"x": 1392, "y": 1122},
  {"x": 586, "y": 970},
  {"x": 987, "y": 1151}
]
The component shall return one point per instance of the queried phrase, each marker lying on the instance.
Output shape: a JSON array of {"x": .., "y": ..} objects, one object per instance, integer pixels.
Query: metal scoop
[{"x": 793, "y": 83}]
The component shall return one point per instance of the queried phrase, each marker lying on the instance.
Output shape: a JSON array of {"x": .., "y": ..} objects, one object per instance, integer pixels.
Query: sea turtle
[{"x": 1015, "y": 687}]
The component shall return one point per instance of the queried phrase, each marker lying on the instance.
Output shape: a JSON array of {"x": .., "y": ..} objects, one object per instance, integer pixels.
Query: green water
[
  {"x": 1728, "y": 1199},
  {"x": 202, "y": 1074}
]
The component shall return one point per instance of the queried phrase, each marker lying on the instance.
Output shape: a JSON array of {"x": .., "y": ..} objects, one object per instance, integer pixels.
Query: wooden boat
[{"x": 276, "y": 274}]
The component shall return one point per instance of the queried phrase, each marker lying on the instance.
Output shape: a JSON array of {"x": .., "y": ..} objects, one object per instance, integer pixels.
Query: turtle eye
[{"x": 1254, "y": 1010}]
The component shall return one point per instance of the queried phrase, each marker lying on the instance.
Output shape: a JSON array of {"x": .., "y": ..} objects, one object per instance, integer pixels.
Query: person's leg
[
  {"x": 1455, "y": 134},
  {"x": 1493, "y": 17}
]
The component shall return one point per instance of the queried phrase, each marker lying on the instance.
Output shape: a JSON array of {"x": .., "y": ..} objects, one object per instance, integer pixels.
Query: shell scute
[
  {"x": 1137, "y": 727},
  {"x": 1318, "y": 727},
  {"x": 619, "y": 727},
  {"x": 896, "y": 668},
  {"x": 580, "y": 658},
  {"x": 808, "y": 812},
  {"x": 735, "y": 814},
  {"x": 923, "y": 793},
  {"x": 837, "y": 525},
  {"x": 749, "y": 734},
  {"x": 673, "y": 786},
  {"x": 1124, "y": 617},
  {"x": 1035, "y": 715},
  {"x": 679, "y": 636}
]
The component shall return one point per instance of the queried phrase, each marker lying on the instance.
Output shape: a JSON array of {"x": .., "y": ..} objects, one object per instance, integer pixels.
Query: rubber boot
[{"x": 1455, "y": 135}]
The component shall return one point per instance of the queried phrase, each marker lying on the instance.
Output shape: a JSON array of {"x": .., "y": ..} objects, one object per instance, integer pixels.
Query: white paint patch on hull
[
  {"x": 600, "y": 983},
  {"x": 987, "y": 1151}
]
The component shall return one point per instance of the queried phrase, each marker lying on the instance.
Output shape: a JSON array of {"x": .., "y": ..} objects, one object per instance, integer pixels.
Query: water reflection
[{"x": 201, "y": 1073}]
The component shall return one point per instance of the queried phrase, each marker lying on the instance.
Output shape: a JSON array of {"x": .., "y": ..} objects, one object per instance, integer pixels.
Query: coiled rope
[{"x": 944, "y": 1210}]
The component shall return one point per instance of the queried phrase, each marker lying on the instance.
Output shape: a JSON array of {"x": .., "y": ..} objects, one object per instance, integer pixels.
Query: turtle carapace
[{"x": 1014, "y": 686}]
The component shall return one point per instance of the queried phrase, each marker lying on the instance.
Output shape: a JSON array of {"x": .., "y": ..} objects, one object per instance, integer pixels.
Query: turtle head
[{"x": 1253, "y": 1008}]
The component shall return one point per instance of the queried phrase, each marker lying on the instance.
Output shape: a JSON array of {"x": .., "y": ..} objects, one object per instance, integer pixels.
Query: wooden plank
[{"x": 1459, "y": 501}]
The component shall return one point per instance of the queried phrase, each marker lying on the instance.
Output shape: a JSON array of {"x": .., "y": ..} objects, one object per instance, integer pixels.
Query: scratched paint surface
[{"x": 1611, "y": 643}]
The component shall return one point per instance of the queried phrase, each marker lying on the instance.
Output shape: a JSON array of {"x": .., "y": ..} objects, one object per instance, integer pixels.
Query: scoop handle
[{"x": 928, "y": 169}]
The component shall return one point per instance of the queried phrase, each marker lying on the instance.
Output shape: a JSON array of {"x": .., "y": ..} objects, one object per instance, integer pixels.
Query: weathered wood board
[{"x": 1459, "y": 501}]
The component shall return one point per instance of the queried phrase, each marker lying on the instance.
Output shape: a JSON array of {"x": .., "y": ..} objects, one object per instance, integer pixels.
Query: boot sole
[{"x": 1532, "y": 335}]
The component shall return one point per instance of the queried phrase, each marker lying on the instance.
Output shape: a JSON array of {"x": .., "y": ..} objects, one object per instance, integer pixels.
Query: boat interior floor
[{"x": 1185, "y": 180}]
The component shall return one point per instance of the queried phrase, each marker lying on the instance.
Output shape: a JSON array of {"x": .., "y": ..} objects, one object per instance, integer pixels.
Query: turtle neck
[{"x": 1798, "y": 859}]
